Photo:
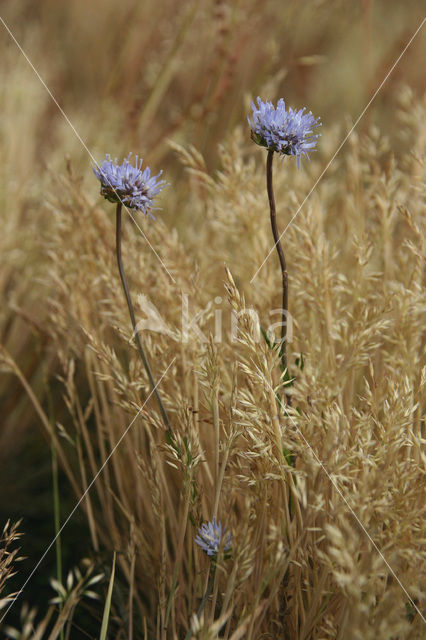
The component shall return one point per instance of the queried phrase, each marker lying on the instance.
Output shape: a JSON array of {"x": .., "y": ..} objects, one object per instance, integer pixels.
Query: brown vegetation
[{"x": 331, "y": 543}]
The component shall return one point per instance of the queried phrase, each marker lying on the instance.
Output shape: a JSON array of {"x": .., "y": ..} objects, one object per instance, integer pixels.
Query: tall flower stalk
[
  {"x": 127, "y": 184},
  {"x": 288, "y": 133},
  {"x": 213, "y": 541},
  {"x": 281, "y": 256}
]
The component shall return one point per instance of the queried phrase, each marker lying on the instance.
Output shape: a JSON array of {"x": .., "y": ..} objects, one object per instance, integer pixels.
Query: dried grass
[{"x": 305, "y": 536}]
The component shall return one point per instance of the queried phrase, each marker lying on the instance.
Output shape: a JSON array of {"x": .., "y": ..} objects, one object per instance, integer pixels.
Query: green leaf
[
  {"x": 265, "y": 335},
  {"x": 300, "y": 362},
  {"x": 288, "y": 456},
  {"x": 107, "y": 608}
]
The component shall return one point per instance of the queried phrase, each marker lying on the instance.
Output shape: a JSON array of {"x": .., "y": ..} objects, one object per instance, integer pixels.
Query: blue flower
[
  {"x": 126, "y": 183},
  {"x": 210, "y": 538},
  {"x": 285, "y": 131}
]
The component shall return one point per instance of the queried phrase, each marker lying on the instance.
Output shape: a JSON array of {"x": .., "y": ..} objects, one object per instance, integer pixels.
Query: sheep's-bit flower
[
  {"x": 128, "y": 184},
  {"x": 210, "y": 538},
  {"x": 285, "y": 131}
]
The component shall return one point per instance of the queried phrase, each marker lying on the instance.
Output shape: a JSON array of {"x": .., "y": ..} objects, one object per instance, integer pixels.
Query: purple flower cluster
[
  {"x": 126, "y": 183},
  {"x": 285, "y": 131},
  {"x": 210, "y": 538}
]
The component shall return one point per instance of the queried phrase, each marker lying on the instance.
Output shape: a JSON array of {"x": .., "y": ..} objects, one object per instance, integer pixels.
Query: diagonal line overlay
[
  {"x": 92, "y": 482},
  {"x": 314, "y": 454},
  {"x": 342, "y": 143},
  {"x": 335, "y": 485},
  {"x": 162, "y": 376},
  {"x": 339, "y": 491},
  {"x": 82, "y": 142}
]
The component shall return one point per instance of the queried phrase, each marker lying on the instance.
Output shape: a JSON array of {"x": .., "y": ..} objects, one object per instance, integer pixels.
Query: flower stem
[
  {"x": 281, "y": 256},
  {"x": 212, "y": 573},
  {"x": 133, "y": 319}
]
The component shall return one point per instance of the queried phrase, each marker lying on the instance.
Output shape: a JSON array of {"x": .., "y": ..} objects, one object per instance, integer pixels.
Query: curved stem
[
  {"x": 133, "y": 319},
  {"x": 281, "y": 256}
]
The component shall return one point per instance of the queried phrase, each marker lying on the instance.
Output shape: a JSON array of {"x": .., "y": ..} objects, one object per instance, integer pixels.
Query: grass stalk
[{"x": 57, "y": 519}]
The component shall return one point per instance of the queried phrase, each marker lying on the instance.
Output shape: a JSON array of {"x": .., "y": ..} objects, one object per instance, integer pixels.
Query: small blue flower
[
  {"x": 285, "y": 131},
  {"x": 210, "y": 538},
  {"x": 126, "y": 183}
]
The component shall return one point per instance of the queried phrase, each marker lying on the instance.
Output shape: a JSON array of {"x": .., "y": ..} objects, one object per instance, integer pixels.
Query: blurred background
[{"x": 131, "y": 76}]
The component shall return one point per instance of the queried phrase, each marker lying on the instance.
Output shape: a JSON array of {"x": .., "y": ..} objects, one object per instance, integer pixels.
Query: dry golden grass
[{"x": 307, "y": 537}]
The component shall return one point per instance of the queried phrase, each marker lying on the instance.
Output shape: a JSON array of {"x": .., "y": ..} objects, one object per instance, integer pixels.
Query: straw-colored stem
[
  {"x": 178, "y": 560},
  {"x": 215, "y": 412}
]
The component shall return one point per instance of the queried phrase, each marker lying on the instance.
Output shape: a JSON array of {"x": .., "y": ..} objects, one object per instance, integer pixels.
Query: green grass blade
[{"x": 107, "y": 608}]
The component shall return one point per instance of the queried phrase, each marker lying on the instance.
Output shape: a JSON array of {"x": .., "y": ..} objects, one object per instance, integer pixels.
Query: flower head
[
  {"x": 210, "y": 538},
  {"x": 285, "y": 131},
  {"x": 128, "y": 184}
]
